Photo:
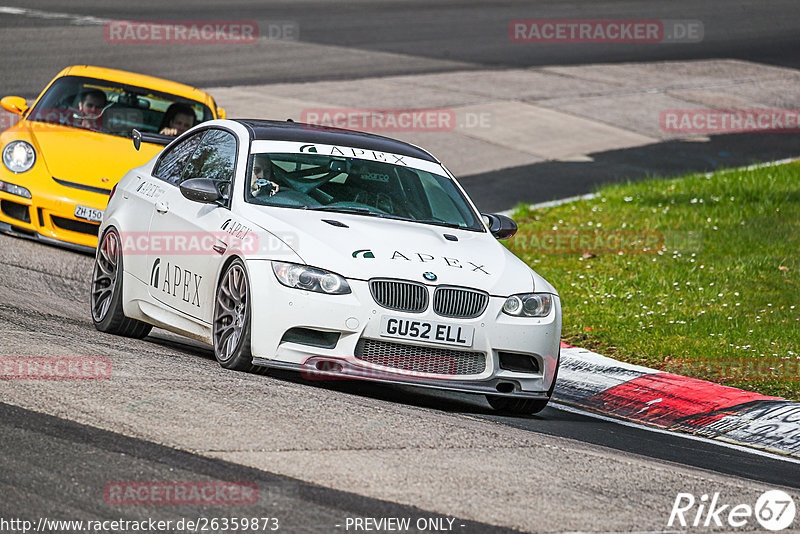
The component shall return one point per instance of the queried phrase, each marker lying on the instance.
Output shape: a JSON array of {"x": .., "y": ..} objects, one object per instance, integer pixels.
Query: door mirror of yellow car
[
  {"x": 221, "y": 113},
  {"x": 14, "y": 104}
]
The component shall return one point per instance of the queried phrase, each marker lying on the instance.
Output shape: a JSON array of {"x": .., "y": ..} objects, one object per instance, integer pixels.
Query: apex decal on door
[
  {"x": 150, "y": 190},
  {"x": 236, "y": 229},
  {"x": 177, "y": 282},
  {"x": 154, "y": 273}
]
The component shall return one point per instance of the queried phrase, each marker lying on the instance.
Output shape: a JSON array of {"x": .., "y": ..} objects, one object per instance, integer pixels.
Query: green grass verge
[{"x": 699, "y": 275}]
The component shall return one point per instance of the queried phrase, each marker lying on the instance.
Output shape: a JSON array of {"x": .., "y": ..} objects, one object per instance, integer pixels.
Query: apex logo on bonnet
[{"x": 421, "y": 257}]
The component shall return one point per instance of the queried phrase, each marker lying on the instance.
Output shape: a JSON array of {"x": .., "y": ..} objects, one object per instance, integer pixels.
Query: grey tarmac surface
[
  {"x": 359, "y": 39},
  {"x": 59, "y": 470},
  {"x": 440, "y": 454}
]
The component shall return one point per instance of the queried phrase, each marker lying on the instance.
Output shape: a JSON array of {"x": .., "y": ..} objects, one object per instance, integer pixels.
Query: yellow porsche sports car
[{"x": 72, "y": 146}]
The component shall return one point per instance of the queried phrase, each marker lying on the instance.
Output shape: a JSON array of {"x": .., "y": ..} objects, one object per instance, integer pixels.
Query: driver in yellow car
[{"x": 91, "y": 106}]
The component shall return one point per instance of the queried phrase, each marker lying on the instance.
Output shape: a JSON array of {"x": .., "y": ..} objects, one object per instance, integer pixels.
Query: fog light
[{"x": 15, "y": 190}]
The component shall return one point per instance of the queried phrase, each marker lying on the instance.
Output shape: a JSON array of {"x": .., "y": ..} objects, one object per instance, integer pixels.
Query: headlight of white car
[
  {"x": 529, "y": 305},
  {"x": 309, "y": 278},
  {"x": 19, "y": 156}
]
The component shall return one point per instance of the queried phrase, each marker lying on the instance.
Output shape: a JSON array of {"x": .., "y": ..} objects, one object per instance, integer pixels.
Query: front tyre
[
  {"x": 231, "y": 326},
  {"x": 515, "y": 406},
  {"x": 106, "y": 293}
]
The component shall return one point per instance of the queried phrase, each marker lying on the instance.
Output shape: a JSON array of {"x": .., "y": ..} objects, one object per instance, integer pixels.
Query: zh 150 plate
[
  {"x": 89, "y": 214},
  {"x": 433, "y": 332}
]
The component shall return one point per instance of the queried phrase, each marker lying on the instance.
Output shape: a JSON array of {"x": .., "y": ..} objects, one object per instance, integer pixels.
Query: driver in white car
[{"x": 261, "y": 183}]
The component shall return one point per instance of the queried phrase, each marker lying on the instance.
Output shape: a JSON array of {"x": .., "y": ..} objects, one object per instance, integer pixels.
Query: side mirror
[
  {"x": 203, "y": 190},
  {"x": 221, "y": 113},
  {"x": 14, "y": 104},
  {"x": 500, "y": 226},
  {"x": 149, "y": 137}
]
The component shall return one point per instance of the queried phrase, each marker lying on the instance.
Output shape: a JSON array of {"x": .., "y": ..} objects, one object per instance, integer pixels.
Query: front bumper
[
  {"x": 49, "y": 216},
  {"x": 349, "y": 371},
  {"x": 353, "y": 318}
]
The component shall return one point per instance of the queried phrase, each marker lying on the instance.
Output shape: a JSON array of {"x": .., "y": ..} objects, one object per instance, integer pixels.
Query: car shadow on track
[
  {"x": 420, "y": 397},
  {"x": 180, "y": 344}
]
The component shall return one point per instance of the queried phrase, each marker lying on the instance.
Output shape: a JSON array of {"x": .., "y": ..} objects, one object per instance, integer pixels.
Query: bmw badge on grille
[{"x": 429, "y": 276}]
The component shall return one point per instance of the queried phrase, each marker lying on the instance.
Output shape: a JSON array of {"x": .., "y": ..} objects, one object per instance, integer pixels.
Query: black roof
[{"x": 309, "y": 133}]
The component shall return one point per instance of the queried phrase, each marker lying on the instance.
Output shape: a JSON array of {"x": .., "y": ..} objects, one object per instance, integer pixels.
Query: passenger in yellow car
[{"x": 178, "y": 118}]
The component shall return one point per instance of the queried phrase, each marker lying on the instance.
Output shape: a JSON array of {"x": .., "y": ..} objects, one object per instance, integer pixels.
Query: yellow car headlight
[{"x": 19, "y": 156}]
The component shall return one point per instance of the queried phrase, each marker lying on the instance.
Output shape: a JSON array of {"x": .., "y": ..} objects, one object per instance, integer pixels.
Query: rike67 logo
[{"x": 774, "y": 510}]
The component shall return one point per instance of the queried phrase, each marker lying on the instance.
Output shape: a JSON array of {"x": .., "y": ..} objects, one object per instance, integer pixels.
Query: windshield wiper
[
  {"x": 437, "y": 222},
  {"x": 366, "y": 211},
  {"x": 346, "y": 209}
]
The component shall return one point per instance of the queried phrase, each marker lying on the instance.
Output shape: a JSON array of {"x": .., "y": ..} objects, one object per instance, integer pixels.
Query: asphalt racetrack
[{"x": 320, "y": 453}]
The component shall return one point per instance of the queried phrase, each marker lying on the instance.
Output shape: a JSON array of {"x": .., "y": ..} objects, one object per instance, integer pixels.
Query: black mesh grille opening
[
  {"x": 76, "y": 226},
  {"x": 421, "y": 359},
  {"x": 15, "y": 210},
  {"x": 315, "y": 338},
  {"x": 520, "y": 363}
]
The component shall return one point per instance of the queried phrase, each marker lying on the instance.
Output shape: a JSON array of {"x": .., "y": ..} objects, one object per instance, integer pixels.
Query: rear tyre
[
  {"x": 231, "y": 327},
  {"x": 106, "y": 293},
  {"x": 515, "y": 406}
]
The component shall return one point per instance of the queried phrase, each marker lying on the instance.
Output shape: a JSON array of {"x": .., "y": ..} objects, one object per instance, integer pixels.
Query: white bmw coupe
[{"x": 331, "y": 252}]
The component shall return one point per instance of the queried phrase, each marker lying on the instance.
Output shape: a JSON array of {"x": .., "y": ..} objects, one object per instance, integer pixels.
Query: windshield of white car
[
  {"x": 360, "y": 187},
  {"x": 111, "y": 107}
]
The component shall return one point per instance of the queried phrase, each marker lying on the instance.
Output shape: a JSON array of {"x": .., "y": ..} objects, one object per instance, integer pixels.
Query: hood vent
[{"x": 83, "y": 187}]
